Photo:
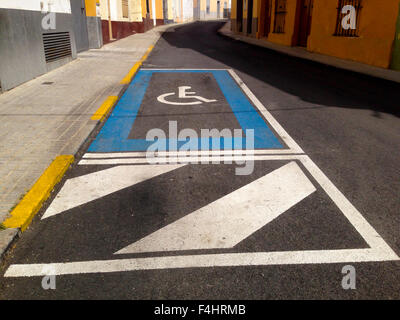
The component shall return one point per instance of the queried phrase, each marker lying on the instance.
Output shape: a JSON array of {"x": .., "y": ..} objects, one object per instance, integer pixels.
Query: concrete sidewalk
[
  {"x": 302, "y": 53},
  {"x": 50, "y": 115}
]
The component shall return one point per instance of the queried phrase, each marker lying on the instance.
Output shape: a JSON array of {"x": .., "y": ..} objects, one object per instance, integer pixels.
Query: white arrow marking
[
  {"x": 92, "y": 186},
  {"x": 232, "y": 218}
]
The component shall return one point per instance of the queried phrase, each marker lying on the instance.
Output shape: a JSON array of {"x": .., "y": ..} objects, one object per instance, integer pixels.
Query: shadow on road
[{"x": 310, "y": 81}]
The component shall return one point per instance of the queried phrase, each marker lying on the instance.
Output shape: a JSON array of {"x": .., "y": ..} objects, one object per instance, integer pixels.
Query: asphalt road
[{"x": 347, "y": 124}]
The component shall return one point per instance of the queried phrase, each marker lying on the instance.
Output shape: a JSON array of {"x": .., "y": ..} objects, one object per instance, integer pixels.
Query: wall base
[
  {"x": 21, "y": 45},
  {"x": 95, "y": 33},
  {"x": 122, "y": 29}
]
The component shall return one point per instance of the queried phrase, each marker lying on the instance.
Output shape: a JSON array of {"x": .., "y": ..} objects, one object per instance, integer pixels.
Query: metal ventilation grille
[{"x": 57, "y": 45}]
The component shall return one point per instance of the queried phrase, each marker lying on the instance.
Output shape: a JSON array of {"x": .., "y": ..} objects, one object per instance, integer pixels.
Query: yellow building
[{"x": 358, "y": 30}]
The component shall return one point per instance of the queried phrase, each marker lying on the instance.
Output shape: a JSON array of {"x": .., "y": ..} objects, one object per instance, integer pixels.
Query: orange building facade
[{"x": 357, "y": 30}]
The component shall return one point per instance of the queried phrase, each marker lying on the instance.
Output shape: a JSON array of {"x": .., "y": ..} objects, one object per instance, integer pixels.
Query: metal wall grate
[
  {"x": 57, "y": 45},
  {"x": 339, "y": 31}
]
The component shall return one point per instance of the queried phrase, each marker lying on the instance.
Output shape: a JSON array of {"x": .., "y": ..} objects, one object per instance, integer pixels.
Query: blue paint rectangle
[{"x": 113, "y": 137}]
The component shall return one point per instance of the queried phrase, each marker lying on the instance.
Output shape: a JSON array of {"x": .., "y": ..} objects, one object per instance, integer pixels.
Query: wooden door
[
  {"x": 265, "y": 18},
  {"x": 239, "y": 15},
  {"x": 305, "y": 22},
  {"x": 249, "y": 16}
]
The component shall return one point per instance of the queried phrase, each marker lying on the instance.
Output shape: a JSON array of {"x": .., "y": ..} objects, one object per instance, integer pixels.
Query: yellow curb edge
[
  {"x": 105, "y": 108},
  {"x": 26, "y": 209},
  {"x": 128, "y": 78}
]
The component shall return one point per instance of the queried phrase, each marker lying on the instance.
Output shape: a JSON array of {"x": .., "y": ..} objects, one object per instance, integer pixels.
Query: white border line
[
  {"x": 141, "y": 154},
  {"x": 362, "y": 226},
  {"x": 191, "y": 159},
  {"x": 197, "y": 261},
  {"x": 379, "y": 251},
  {"x": 293, "y": 146}
]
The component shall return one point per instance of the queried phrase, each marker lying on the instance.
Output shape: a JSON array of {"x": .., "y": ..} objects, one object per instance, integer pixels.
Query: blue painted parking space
[{"x": 115, "y": 134}]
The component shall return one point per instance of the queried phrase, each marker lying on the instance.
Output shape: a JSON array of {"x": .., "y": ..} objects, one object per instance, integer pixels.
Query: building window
[
  {"x": 348, "y": 14},
  {"x": 280, "y": 15},
  {"x": 125, "y": 9}
]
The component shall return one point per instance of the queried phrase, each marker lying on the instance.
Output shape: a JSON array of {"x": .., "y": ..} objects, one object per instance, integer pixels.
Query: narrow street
[{"x": 322, "y": 191}]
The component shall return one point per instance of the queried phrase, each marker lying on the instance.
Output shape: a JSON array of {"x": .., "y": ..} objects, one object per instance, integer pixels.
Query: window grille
[{"x": 340, "y": 31}]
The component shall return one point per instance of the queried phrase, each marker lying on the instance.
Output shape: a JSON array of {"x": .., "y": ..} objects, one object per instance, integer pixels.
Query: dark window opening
[{"x": 350, "y": 32}]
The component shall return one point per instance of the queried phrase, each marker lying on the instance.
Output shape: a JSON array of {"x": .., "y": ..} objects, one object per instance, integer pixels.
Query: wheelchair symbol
[{"x": 184, "y": 94}]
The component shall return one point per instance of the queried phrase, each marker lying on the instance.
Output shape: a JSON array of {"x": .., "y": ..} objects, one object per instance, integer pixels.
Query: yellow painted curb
[
  {"x": 26, "y": 209},
  {"x": 128, "y": 78},
  {"x": 132, "y": 72},
  {"x": 102, "y": 112},
  {"x": 147, "y": 53}
]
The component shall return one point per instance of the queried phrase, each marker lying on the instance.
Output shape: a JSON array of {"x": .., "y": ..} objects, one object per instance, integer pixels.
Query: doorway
[
  {"x": 239, "y": 15},
  {"x": 265, "y": 18},
  {"x": 249, "y": 16},
  {"x": 305, "y": 22}
]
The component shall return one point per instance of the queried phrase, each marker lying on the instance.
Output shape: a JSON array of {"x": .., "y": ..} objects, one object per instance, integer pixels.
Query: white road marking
[
  {"x": 379, "y": 250},
  {"x": 180, "y": 159},
  {"x": 184, "y": 153},
  {"x": 184, "y": 94},
  {"x": 293, "y": 146},
  {"x": 369, "y": 234},
  {"x": 202, "y": 261},
  {"x": 232, "y": 218},
  {"x": 174, "y": 69},
  {"x": 92, "y": 186}
]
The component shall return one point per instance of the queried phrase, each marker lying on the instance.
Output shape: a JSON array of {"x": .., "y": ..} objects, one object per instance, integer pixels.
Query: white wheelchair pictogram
[{"x": 184, "y": 94}]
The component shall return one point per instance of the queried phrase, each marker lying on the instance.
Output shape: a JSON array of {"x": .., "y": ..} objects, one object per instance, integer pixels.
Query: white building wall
[
  {"x": 58, "y": 6},
  {"x": 187, "y": 10},
  {"x": 113, "y": 9},
  {"x": 135, "y": 10}
]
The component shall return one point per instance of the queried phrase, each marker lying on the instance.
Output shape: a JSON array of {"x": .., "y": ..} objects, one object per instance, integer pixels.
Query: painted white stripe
[
  {"x": 58, "y": 6},
  {"x": 183, "y": 153},
  {"x": 229, "y": 220},
  {"x": 92, "y": 186},
  {"x": 380, "y": 251},
  {"x": 369, "y": 234},
  {"x": 352, "y": 214},
  {"x": 198, "y": 261},
  {"x": 268, "y": 116},
  {"x": 193, "y": 160}
]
